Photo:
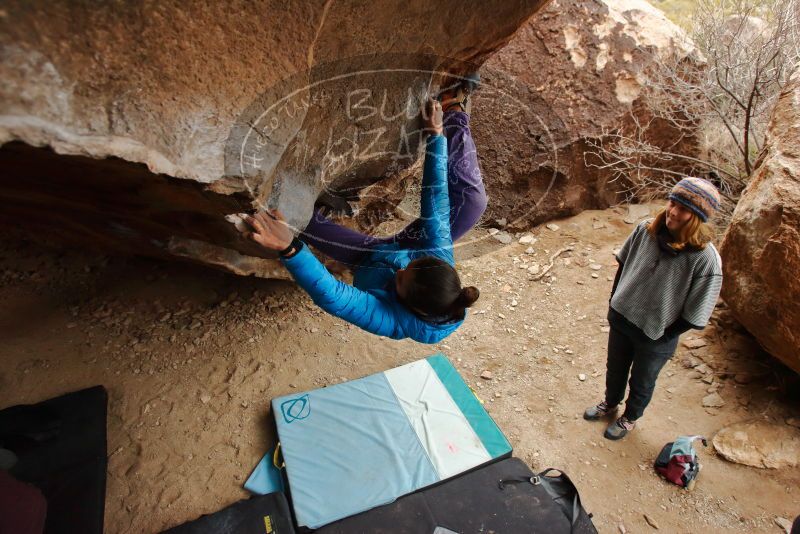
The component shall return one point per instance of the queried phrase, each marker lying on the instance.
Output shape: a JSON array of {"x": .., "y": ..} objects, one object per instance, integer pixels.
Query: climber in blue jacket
[{"x": 397, "y": 292}]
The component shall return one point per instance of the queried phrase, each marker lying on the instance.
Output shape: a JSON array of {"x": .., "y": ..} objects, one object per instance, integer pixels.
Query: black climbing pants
[{"x": 634, "y": 360}]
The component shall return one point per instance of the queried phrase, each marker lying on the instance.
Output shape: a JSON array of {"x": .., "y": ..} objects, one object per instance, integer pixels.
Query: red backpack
[{"x": 678, "y": 463}]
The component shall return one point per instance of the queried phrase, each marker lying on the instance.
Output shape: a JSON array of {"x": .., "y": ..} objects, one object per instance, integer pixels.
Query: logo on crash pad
[{"x": 296, "y": 409}]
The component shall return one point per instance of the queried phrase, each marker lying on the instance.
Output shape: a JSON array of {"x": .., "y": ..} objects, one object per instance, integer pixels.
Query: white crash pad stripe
[{"x": 444, "y": 432}]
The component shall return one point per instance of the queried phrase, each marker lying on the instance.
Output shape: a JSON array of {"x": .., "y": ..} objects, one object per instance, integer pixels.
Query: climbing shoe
[{"x": 455, "y": 94}]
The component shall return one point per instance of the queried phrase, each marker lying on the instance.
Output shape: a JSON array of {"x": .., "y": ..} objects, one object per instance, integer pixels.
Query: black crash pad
[
  {"x": 264, "y": 514},
  {"x": 61, "y": 449}
]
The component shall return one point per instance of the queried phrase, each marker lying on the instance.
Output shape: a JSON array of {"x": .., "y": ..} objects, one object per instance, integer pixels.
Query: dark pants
[
  {"x": 635, "y": 359},
  {"x": 464, "y": 186}
]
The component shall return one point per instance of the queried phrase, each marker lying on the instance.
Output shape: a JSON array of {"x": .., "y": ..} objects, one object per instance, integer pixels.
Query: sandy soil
[{"x": 191, "y": 359}]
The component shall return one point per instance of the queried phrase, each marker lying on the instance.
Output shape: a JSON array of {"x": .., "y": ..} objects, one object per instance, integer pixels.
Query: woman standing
[{"x": 668, "y": 281}]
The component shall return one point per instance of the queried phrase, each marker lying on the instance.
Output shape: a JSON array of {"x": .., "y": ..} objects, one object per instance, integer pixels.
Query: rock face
[
  {"x": 761, "y": 249},
  {"x": 759, "y": 444},
  {"x": 152, "y": 121},
  {"x": 572, "y": 71}
]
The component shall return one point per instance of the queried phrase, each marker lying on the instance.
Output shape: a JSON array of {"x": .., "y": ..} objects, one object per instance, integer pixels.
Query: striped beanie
[{"x": 698, "y": 195}]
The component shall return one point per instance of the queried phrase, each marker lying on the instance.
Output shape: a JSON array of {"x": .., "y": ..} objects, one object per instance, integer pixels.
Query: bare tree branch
[{"x": 716, "y": 103}]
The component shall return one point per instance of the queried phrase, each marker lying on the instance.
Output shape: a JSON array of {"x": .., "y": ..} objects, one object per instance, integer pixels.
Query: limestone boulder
[
  {"x": 761, "y": 248},
  {"x": 575, "y": 70},
  {"x": 759, "y": 444},
  {"x": 140, "y": 126}
]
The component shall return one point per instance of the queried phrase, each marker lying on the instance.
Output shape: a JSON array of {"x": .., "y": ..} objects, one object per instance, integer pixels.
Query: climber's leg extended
[
  {"x": 465, "y": 189},
  {"x": 464, "y": 183}
]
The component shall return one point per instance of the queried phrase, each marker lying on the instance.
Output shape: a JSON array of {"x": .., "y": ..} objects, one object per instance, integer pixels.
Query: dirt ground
[{"x": 191, "y": 359}]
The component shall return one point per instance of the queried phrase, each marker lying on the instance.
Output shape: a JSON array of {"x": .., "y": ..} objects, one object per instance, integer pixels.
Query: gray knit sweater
[{"x": 656, "y": 288}]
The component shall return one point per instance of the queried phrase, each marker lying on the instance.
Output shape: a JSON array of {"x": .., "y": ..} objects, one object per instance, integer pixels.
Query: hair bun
[{"x": 468, "y": 296}]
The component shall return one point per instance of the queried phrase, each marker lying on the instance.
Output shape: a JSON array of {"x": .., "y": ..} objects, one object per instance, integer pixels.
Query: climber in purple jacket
[{"x": 405, "y": 286}]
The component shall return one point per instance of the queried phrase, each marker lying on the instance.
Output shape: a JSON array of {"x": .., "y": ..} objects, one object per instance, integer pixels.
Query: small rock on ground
[
  {"x": 695, "y": 343},
  {"x": 713, "y": 400},
  {"x": 504, "y": 237}
]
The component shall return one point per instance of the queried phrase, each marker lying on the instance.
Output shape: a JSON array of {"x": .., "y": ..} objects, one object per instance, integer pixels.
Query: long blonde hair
[{"x": 695, "y": 233}]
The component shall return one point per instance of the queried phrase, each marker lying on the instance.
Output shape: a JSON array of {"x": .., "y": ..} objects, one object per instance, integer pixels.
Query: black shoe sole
[{"x": 614, "y": 438}]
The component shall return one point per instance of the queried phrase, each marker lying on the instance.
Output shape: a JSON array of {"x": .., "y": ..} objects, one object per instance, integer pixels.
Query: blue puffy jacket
[{"x": 371, "y": 302}]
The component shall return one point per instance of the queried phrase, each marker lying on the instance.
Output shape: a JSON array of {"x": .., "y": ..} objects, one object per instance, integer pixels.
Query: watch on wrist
[{"x": 293, "y": 248}]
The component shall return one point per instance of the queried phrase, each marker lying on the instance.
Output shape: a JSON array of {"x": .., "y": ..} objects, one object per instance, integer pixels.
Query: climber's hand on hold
[
  {"x": 432, "y": 117},
  {"x": 269, "y": 229}
]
